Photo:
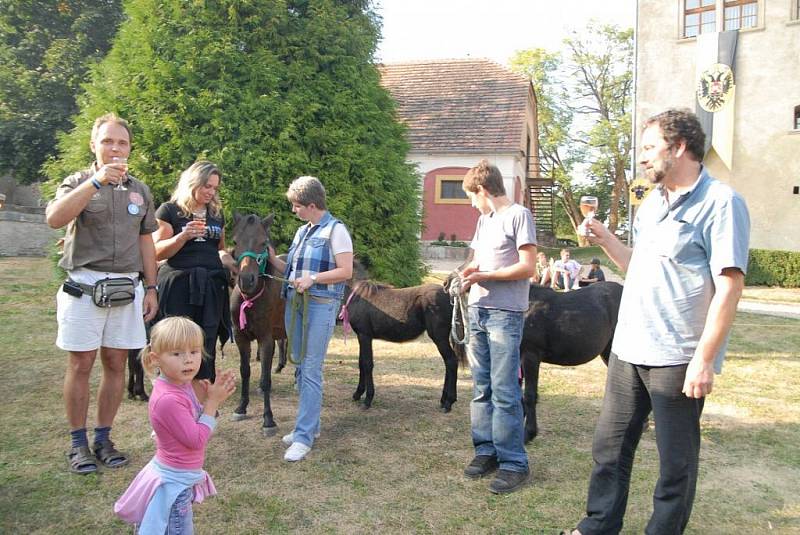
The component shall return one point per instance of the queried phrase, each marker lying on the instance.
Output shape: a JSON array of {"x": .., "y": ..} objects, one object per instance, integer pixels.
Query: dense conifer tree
[{"x": 269, "y": 90}]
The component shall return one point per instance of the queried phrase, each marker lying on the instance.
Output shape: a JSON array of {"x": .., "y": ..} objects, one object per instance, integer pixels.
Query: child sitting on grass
[{"x": 159, "y": 500}]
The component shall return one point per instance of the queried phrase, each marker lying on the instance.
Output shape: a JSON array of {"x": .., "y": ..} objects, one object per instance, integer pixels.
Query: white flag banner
[{"x": 715, "y": 90}]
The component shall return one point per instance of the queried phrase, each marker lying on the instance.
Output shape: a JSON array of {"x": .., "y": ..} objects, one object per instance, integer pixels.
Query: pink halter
[
  {"x": 344, "y": 315},
  {"x": 247, "y": 303}
]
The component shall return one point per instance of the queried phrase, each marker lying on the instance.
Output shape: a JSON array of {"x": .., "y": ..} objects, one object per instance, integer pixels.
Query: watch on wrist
[{"x": 314, "y": 279}]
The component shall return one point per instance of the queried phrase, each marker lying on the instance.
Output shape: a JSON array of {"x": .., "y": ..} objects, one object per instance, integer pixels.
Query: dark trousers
[{"x": 632, "y": 392}]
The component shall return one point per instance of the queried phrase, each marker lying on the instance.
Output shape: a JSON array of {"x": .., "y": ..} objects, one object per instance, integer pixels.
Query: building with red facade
[{"x": 457, "y": 112}]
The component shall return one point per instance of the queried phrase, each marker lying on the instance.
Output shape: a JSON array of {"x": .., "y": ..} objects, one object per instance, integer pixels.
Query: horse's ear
[
  {"x": 267, "y": 221},
  {"x": 236, "y": 217}
]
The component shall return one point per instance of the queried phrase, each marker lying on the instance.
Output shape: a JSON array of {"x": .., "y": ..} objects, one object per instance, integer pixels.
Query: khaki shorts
[{"x": 84, "y": 326}]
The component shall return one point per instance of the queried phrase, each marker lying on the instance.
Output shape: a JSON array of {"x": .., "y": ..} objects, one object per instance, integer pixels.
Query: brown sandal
[
  {"x": 107, "y": 454},
  {"x": 81, "y": 461}
]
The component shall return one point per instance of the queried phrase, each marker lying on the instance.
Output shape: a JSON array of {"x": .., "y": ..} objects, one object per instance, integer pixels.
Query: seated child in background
[
  {"x": 161, "y": 495},
  {"x": 565, "y": 272},
  {"x": 542, "y": 275},
  {"x": 595, "y": 274}
]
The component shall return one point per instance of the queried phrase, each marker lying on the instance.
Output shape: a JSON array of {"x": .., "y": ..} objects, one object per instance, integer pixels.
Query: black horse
[
  {"x": 563, "y": 328},
  {"x": 567, "y": 329},
  {"x": 256, "y": 309},
  {"x": 402, "y": 315},
  {"x": 136, "y": 376}
]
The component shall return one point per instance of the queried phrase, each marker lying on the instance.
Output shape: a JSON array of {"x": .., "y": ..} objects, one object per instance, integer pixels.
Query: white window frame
[{"x": 719, "y": 9}]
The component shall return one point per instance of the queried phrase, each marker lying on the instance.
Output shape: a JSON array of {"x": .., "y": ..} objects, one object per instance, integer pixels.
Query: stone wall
[
  {"x": 24, "y": 232},
  {"x": 443, "y": 252}
]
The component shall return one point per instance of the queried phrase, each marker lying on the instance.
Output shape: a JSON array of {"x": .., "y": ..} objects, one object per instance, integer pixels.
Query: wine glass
[
  {"x": 588, "y": 206},
  {"x": 124, "y": 161},
  {"x": 200, "y": 215}
]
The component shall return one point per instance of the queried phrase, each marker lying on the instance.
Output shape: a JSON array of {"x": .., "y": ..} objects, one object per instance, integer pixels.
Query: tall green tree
[
  {"x": 584, "y": 97},
  {"x": 269, "y": 90},
  {"x": 46, "y": 49}
]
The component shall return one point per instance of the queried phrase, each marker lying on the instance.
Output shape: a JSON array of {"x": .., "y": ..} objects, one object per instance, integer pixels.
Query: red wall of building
[{"x": 458, "y": 219}]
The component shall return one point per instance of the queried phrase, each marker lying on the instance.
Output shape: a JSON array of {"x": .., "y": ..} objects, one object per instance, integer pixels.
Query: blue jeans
[
  {"x": 496, "y": 407},
  {"x": 632, "y": 393},
  {"x": 321, "y": 321},
  {"x": 181, "y": 521}
]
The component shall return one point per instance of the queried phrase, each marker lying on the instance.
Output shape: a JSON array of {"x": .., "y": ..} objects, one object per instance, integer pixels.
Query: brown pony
[{"x": 256, "y": 309}]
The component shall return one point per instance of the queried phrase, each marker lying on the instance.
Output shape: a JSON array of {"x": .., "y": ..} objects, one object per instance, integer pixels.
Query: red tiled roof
[{"x": 465, "y": 105}]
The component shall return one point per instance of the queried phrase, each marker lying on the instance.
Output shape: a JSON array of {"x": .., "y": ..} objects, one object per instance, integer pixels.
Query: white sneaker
[
  {"x": 288, "y": 440},
  {"x": 296, "y": 452}
]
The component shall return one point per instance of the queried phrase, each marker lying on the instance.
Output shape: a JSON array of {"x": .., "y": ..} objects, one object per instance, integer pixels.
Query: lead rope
[
  {"x": 294, "y": 306},
  {"x": 460, "y": 317}
]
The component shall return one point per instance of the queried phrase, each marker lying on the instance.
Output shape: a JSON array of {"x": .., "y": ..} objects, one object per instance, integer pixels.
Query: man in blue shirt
[{"x": 684, "y": 278}]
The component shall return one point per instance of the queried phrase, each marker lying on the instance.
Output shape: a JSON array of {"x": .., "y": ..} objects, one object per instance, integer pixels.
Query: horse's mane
[{"x": 368, "y": 288}]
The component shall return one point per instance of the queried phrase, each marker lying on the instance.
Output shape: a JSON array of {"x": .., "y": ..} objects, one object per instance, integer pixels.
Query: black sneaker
[
  {"x": 480, "y": 466},
  {"x": 507, "y": 481}
]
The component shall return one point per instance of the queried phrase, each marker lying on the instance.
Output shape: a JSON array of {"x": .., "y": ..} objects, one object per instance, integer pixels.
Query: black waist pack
[{"x": 105, "y": 293}]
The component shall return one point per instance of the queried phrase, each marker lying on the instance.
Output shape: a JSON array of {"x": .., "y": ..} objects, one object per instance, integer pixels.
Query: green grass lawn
[{"x": 395, "y": 468}]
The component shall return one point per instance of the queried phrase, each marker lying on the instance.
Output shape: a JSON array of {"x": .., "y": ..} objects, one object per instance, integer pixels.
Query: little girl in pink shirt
[{"x": 159, "y": 500}]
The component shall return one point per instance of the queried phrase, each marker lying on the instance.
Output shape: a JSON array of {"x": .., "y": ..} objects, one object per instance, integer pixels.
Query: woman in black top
[{"x": 193, "y": 281}]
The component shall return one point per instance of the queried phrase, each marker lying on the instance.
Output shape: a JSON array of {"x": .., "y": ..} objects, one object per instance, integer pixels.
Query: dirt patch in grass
[
  {"x": 395, "y": 468},
  {"x": 773, "y": 294}
]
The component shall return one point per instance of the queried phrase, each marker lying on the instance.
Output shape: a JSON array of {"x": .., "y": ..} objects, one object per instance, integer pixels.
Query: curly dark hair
[{"x": 681, "y": 125}]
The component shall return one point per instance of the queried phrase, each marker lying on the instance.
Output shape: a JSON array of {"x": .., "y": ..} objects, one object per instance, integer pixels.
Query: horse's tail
[
  {"x": 460, "y": 351},
  {"x": 366, "y": 288}
]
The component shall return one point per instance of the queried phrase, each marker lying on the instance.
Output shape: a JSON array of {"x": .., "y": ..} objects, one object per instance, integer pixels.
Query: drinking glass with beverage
[
  {"x": 200, "y": 215},
  {"x": 588, "y": 206},
  {"x": 124, "y": 161}
]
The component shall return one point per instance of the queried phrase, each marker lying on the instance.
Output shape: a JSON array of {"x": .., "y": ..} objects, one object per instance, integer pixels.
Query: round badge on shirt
[{"x": 133, "y": 209}]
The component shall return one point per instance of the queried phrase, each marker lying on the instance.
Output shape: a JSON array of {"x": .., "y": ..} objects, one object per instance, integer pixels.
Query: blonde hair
[
  {"x": 196, "y": 176},
  {"x": 169, "y": 334}
]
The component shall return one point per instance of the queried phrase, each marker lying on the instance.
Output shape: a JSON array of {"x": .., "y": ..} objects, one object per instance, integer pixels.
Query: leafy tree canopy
[
  {"x": 46, "y": 49},
  {"x": 269, "y": 91},
  {"x": 584, "y": 99}
]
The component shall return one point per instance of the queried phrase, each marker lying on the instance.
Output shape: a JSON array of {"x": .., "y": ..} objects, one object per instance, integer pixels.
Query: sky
[{"x": 495, "y": 29}]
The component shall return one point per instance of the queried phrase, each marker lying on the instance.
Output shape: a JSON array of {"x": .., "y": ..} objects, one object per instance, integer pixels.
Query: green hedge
[{"x": 773, "y": 268}]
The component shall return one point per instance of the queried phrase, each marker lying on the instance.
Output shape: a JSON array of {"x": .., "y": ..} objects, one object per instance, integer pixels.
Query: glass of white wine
[
  {"x": 124, "y": 161},
  {"x": 588, "y": 206},
  {"x": 200, "y": 215}
]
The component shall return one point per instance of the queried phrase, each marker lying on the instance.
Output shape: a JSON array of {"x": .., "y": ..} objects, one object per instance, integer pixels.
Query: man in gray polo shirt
[
  {"x": 109, "y": 218},
  {"x": 684, "y": 278}
]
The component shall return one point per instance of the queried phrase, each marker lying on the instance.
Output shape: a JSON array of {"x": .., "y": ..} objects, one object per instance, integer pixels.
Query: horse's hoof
[
  {"x": 445, "y": 408},
  {"x": 269, "y": 431},
  {"x": 143, "y": 397},
  {"x": 238, "y": 416}
]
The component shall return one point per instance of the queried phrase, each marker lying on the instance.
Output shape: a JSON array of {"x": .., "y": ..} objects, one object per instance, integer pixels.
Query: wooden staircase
[{"x": 541, "y": 199}]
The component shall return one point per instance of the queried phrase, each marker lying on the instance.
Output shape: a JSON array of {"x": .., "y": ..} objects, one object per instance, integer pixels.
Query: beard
[{"x": 657, "y": 173}]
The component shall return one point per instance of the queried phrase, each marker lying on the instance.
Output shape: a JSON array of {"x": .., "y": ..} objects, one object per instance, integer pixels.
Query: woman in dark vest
[
  {"x": 191, "y": 238},
  {"x": 320, "y": 260}
]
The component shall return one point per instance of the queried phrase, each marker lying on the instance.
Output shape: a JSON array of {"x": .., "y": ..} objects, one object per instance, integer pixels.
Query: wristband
[
  {"x": 96, "y": 183},
  {"x": 151, "y": 287}
]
